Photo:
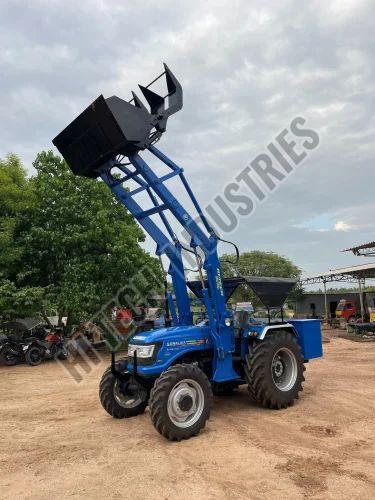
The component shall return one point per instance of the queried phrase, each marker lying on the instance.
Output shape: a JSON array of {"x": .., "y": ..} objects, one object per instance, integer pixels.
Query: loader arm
[
  {"x": 96, "y": 143},
  {"x": 168, "y": 244}
]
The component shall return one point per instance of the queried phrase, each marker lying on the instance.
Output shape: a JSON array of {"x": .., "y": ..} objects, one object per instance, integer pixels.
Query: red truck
[{"x": 349, "y": 310}]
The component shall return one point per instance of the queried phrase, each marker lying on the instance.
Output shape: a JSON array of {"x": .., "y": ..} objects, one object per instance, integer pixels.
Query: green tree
[
  {"x": 75, "y": 245},
  {"x": 257, "y": 263},
  {"x": 17, "y": 202}
]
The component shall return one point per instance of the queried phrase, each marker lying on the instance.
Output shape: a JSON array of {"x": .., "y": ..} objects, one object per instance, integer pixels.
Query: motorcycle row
[{"x": 44, "y": 344}]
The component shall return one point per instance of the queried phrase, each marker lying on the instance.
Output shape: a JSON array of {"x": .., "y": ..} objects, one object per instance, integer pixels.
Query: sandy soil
[{"x": 57, "y": 441}]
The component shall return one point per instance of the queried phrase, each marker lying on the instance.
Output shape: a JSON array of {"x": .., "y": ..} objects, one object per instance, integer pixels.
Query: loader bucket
[{"x": 113, "y": 126}]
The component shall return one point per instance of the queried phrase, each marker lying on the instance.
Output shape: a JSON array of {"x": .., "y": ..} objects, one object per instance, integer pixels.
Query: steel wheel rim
[
  {"x": 185, "y": 390},
  {"x": 124, "y": 400},
  {"x": 284, "y": 369}
]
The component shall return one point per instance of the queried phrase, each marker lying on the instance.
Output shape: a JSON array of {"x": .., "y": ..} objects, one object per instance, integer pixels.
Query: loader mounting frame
[{"x": 168, "y": 244}]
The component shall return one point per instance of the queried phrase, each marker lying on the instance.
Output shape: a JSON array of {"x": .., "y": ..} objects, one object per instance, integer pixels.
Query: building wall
[{"x": 305, "y": 305}]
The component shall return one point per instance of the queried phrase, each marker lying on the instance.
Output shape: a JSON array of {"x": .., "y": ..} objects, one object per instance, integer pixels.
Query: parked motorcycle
[
  {"x": 53, "y": 346},
  {"x": 12, "y": 351}
]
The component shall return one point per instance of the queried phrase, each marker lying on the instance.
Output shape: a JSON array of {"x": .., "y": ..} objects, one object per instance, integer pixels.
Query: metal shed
[{"x": 354, "y": 274}]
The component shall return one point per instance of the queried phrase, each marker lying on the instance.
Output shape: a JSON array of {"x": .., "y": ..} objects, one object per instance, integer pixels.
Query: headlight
[{"x": 143, "y": 351}]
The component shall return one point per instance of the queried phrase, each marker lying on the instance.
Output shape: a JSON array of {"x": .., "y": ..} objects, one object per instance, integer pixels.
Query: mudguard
[{"x": 307, "y": 332}]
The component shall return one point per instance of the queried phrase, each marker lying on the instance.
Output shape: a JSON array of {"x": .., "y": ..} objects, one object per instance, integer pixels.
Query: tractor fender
[{"x": 270, "y": 328}]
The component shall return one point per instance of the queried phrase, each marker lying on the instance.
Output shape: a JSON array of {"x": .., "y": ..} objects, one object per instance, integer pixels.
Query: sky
[{"x": 247, "y": 69}]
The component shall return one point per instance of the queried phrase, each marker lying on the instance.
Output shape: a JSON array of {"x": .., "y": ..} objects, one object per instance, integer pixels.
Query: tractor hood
[
  {"x": 184, "y": 335},
  {"x": 172, "y": 343}
]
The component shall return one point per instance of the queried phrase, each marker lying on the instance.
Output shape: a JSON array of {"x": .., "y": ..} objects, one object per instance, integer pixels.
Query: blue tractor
[{"x": 176, "y": 370}]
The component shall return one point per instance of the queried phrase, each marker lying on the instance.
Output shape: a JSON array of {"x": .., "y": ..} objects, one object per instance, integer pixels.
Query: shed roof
[
  {"x": 365, "y": 249},
  {"x": 344, "y": 274}
]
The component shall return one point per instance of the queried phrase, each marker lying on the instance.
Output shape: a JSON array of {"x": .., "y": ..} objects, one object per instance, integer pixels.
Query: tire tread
[
  {"x": 255, "y": 367},
  {"x": 159, "y": 397},
  {"x": 108, "y": 401}
]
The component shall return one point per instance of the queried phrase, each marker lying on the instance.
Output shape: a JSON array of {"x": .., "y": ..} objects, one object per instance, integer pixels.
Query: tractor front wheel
[
  {"x": 180, "y": 402},
  {"x": 274, "y": 370},
  {"x": 122, "y": 399}
]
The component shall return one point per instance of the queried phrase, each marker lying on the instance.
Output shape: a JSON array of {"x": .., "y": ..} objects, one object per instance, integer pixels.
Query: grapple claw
[
  {"x": 174, "y": 91},
  {"x": 138, "y": 102},
  {"x": 113, "y": 126},
  {"x": 155, "y": 101}
]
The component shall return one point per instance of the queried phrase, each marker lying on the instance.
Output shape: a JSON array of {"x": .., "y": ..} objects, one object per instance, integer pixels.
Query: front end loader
[{"x": 176, "y": 370}]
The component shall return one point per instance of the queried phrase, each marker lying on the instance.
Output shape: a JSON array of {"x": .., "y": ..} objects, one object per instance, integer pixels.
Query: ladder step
[
  {"x": 161, "y": 179},
  {"x": 151, "y": 211},
  {"x": 127, "y": 177}
]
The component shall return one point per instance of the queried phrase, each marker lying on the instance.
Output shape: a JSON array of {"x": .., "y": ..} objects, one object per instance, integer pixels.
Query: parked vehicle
[
  {"x": 350, "y": 310},
  {"x": 11, "y": 351},
  {"x": 53, "y": 346}
]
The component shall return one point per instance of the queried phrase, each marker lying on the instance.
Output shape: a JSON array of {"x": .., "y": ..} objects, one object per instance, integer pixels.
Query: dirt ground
[{"x": 57, "y": 441}]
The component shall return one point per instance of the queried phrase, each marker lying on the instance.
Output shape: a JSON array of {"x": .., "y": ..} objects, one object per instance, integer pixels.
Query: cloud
[
  {"x": 340, "y": 225},
  {"x": 246, "y": 71}
]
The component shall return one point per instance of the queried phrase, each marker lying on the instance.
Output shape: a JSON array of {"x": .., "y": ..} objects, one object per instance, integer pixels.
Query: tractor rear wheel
[
  {"x": 122, "y": 399},
  {"x": 180, "y": 402},
  {"x": 274, "y": 370}
]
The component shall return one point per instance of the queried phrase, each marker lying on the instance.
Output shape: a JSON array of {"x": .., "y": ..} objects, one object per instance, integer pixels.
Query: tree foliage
[
  {"x": 257, "y": 263},
  {"x": 16, "y": 203},
  {"x": 66, "y": 241}
]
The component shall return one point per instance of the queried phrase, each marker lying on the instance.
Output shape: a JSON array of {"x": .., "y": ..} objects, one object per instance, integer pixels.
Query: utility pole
[
  {"x": 325, "y": 301},
  {"x": 361, "y": 297}
]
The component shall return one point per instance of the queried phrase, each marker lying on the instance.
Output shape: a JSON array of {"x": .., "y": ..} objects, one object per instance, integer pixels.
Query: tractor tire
[
  {"x": 180, "y": 402},
  {"x": 274, "y": 370},
  {"x": 34, "y": 356},
  {"x": 122, "y": 399}
]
